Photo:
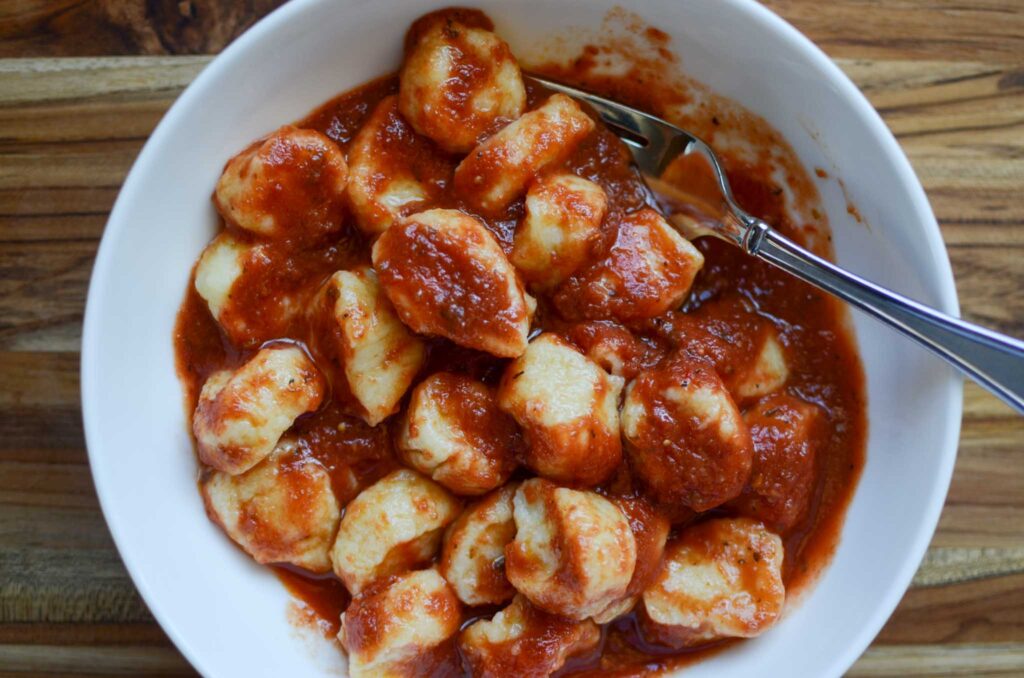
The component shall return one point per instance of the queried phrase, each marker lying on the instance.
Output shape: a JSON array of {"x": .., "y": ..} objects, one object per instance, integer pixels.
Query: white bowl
[{"x": 227, "y": 614}]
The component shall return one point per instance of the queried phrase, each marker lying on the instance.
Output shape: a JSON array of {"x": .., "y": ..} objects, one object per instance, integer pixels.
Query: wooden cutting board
[{"x": 83, "y": 83}]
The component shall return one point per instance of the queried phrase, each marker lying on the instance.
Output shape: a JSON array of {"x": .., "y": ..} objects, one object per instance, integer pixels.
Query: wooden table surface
[{"x": 83, "y": 83}]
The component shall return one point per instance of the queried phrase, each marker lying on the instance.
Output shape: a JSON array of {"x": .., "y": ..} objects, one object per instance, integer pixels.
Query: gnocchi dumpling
[
  {"x": 392, "y": 526},
  {"x": 787, "y": 433},
  {"x": 393, "y": 171},
  {"x": 525, "y": 642},
  {"x": 648, "y": 270},
  {"x": 242, "y": 414},
  {"x": 767, "y": 373},
  {"x": 574, "y": 552},
  {"x": 282, "y": 510},
  {"x": 219, "y": 268},
  {"x": 498, "y": 170},
  {"x": 359, "y": 331},
  {"x": 393, "y": 624},
  {"x": 454, "y": 432},
  {"x": 614, "y": 348},
  {"x": 289, "y": 186},
  {"x": 685, "y": 439},
  {"x": 447, "y": 276},
  {"x": 650, "y": 532},
  {"x": 473, "y": 555},
  {"x": 562, "y": 223},
  {"x": 719, "y": 579},
  {"x": 458, "y": 82},
  {"x": 744, "y": 347},
  {"x": 229, "y": 278},
  {"x": 568, "y": 409}
]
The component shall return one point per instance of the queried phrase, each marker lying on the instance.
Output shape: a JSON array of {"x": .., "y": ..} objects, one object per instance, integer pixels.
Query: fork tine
[
  {"x": 663, "y": 143},
  {"x": 632, "y": 143},
  {"x": 609, "y": 110},
  {"x": 654, "y": 142}
]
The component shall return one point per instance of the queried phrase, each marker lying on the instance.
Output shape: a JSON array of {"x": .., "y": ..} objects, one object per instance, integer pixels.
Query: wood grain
[
  {"x": 951, "y": 30},
  {"x": 105, "y": 27},
  {"x": 947, "y": 76},
  {"x": 994, "y": 660}
]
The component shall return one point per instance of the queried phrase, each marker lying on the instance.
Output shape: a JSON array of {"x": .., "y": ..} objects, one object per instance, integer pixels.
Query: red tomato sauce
[{"x": 824, "y": 367}]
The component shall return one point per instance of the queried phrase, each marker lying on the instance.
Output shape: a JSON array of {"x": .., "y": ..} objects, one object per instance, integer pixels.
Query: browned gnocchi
[
  {"x": 388, "y": 628},
  {"x": 568, "y": 409},
  {"x": 243, "y": 413},
  {"x": 498, "y": 170},
  {"x": 574, "y": 552},
  {"x": 447, "y": 276},
  {"x": 392, "y": 526},
  {"x": 720, "y": 579},
  {"x": 290, "y": 185}
]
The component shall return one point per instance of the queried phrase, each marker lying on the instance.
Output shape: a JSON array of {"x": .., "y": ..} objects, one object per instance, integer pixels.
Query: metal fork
[{"x": 993, "y": 360}]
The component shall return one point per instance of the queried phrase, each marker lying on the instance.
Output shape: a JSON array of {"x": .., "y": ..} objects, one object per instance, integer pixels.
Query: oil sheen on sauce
[{"x": 824, "y": 365}]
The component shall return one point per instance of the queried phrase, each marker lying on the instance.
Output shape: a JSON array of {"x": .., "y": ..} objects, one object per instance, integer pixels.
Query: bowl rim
[{"x": 932, "y": 241}]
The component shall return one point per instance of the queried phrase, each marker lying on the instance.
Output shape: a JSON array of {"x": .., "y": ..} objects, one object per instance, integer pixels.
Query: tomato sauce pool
[{"x": 824, "y": 365}]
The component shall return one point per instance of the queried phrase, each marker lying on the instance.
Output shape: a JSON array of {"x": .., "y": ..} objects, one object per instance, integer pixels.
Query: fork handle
[{"x": 994, "y": 360}]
